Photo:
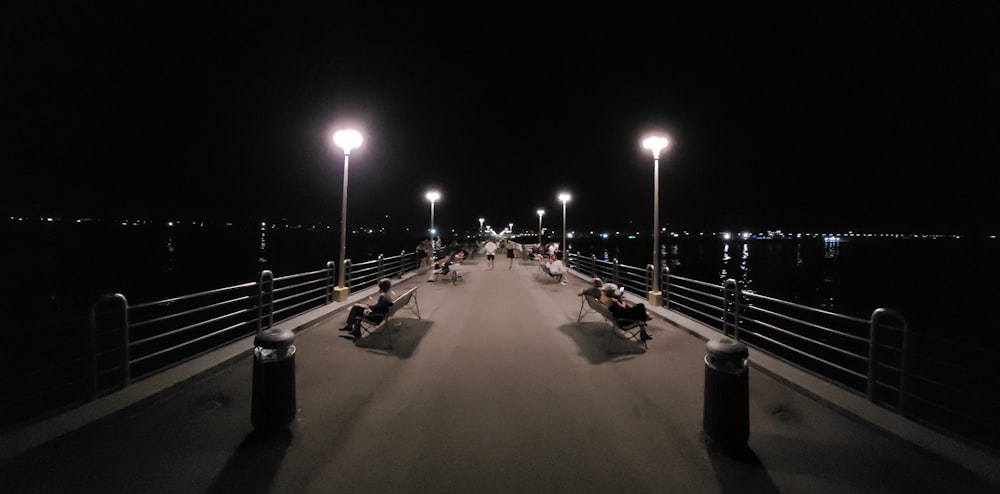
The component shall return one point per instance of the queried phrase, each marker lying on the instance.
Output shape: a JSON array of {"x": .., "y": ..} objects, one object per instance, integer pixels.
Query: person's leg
[{"x": 352, "y": 317}]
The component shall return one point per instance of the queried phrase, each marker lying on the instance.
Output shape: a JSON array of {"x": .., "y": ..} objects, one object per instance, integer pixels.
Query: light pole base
[
  {"x": 655, "y": 298},
  {"x": 340, "y": 293}
]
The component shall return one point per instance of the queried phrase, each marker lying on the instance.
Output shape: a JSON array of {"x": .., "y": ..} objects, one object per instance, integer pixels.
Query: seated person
[
  {"x": 557, "y": 268},
  {"x": 441, "y": 267},
  {"x": 613, "y": 300},
  {"x": 372, "y": 312},
  {"x": 594, "y": 290}
]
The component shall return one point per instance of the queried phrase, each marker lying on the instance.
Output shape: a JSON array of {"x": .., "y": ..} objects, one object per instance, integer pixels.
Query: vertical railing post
[
  {"x": 331, "y": 271},
  {"x": 123, "y": 369},
  {"x": 614, "y": 272},
  {"x": 731, "y": 308},
  {"x": 904, "y": 357},
  {"x": 402, "y": 258},
  {"x": 380, "y": 268},
  {"x": 665, "y": 287},
  {"x": 348, "y": 275},
  {"x": 648, "y": 275},
  {"x": 265, "y": 297}
]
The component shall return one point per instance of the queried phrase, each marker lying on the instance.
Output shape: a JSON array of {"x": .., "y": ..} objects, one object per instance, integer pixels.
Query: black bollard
[
  {"x": 726, "y": 420},
  {"x": 273, "y": 402}
]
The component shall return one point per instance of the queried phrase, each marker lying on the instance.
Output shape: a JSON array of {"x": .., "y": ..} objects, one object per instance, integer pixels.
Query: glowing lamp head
[
  {"x": 655, "y": 144},
  {"x": 347, "y": 139},
  {"x": 433, "y": 196},
  {"x": 564, "y": 197}
]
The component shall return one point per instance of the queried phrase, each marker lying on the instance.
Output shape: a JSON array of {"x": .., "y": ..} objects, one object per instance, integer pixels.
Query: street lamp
[
  {"x": 655, "y": 144},
  {"x": 564, "y": 197},
  {"x": 540, "y": 213},
  {"x": 432, "y": 196},
  {"x": 481, "y": 220},
  {"x": 510, "y": 229},
  {"x": 345, "y": 139}
]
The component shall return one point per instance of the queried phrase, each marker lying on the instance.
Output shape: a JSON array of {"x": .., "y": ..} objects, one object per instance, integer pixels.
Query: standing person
[
  {"x": 510, "y": 254},
  {"x": 491, "y": 252},
  {"x": 422, "y": 249},
  {"x": 370, "y": 311}
]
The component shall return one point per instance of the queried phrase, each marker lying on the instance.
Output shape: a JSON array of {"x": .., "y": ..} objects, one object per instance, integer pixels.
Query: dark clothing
[
  {"x": 510, "y": 253},
  {"x": 377, "y": 312},
  {"x": 593, "y": 292},
  {"x": 635, "y": 312}
]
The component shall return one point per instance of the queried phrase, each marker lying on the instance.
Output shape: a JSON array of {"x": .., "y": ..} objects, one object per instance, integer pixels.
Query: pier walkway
[{"x": 496, "y": 389}]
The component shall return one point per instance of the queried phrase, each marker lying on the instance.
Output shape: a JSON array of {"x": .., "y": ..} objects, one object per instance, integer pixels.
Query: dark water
[
  {"x": 937, "y": 283},
  {"x": 55, "y": 270}
]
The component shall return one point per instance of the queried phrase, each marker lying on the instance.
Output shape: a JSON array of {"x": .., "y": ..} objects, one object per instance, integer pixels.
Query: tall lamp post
[
  {"x": 564, "y": 197},
  {"x": 655, "y": 144},
  {"x": 432, "y": 196},
  {"x": 540, "y": 213},
  {"x": 345, "y": 139},
  {"x": 481, "y": 220}
]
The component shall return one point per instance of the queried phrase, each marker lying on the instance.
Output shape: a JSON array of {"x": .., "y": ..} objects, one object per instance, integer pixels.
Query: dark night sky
[{"x": 880, "y": 117}]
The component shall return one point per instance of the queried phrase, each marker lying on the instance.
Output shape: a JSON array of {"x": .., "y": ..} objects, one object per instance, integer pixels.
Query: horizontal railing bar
[{"x": 189, "y": 327}]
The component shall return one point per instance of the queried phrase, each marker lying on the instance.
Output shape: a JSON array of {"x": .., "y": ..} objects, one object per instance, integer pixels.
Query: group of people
[
  {"x": 607, "y": 293},
  {"x": 551, "y": 258},
  {"x": 613, "y": 298},
  {"x": 491, "y": 248}
]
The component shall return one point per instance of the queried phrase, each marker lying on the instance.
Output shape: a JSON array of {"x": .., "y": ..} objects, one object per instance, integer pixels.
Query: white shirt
[
  {"x": 557, "y": 266},
  {"x": 491, "y": 248}
]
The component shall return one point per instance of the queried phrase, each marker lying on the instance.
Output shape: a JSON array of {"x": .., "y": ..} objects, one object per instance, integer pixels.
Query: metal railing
[
  {"x": 122, "y": 342},
  {"x": 942, "y": 382}
]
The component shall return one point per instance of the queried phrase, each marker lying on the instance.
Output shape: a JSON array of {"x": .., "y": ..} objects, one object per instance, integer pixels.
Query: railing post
[
  {"x": 614, "y": 272},
  {"x": 380, "y": 267},
  {"x": 904, "y": 357},
  {"x": 593, "y": 266},
  {"x": 124, "y": 371},
  {"x": 331, "y": 271},
  {"x": 665, "y": 287},
  {"x": 731, "y": 308},
  {"x": 648, "y": 275},
  {"x": 348, "y": 275},
  {"x": 265, "y": 288},
  {"x": 402, "y": 259}
]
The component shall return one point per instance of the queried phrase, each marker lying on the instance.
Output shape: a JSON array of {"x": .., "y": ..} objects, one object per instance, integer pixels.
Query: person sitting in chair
[
  {"x": 612, "y": 298},
  {"x": 594, "y": 290},
  {"x": 558, "y": 268},
  {"x": 372, "y": 312}
]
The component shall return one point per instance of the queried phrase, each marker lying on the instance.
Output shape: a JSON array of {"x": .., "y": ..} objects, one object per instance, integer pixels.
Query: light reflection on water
[
  {"x": 54, "y": 264},
  {"x": 933, "y": 282}
]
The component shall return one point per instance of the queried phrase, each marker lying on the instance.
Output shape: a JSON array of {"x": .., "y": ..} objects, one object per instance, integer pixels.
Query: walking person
[
  {"x": 510, "y": 254},
  {"x": 491, "y": 252}
]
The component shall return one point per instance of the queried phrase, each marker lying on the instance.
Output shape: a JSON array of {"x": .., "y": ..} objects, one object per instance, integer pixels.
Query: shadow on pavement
[
  {"x": 738, "y": 470},
  {"x": 592, "y": 339},
  {"x": 406, "y": 333},
  {"x": 254, "y": 465}
]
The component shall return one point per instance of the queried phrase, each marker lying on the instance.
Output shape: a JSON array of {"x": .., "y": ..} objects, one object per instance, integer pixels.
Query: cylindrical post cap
[
  {"x": 727, "y": 349},
  {"x": 274, "y": 339}
]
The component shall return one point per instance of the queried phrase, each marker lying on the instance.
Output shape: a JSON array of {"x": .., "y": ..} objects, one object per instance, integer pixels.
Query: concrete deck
[{"x": 496, "y": 388}]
